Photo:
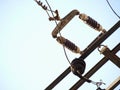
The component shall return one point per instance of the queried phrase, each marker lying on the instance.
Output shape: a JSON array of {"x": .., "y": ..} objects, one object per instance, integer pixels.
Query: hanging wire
[
  {"x": 113, "y": 9},
  {"x": 59, "y": 32}
]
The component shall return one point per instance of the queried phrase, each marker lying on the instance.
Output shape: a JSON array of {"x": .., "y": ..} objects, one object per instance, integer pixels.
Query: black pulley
[{"x": 78, "y": 65}]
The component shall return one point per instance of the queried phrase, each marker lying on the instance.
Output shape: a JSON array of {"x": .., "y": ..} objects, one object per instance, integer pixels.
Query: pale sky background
[{"x": 30, "y": 59}]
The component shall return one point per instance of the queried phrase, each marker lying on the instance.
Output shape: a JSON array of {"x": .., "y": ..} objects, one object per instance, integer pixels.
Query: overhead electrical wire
[
  {"x": 59, "y": 32},
  {"x": 113, "y": 9}
]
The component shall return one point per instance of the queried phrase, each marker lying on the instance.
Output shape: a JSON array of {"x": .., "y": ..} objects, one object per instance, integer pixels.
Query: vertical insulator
[
  {"x": 91, "y": 22},
  {"x": 63, "y": 22},
  {"x": 68, "y": 44}
]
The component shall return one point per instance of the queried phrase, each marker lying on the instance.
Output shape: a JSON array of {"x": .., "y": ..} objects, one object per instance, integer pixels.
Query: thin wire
[
  {"x": 47, "y": 13},
  {"x": 50, "y": 10},
  {"x": 113, "y": 9},
  {"x": 59, "y": 33}
]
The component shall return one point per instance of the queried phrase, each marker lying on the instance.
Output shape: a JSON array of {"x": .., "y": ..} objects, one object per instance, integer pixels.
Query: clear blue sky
[{"x": 30, "y": 59}]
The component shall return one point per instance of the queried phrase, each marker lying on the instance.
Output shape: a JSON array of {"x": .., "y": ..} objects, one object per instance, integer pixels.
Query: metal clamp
[{"x": 104, "y": 47}]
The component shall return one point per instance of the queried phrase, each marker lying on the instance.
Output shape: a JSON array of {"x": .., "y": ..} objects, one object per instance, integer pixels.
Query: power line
[
  {"x": 113, "y": 9},
  {"x": 59, "y": 32}
]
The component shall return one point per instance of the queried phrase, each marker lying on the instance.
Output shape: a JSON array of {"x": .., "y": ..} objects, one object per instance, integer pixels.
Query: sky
[{"x": 30, "y": 59}]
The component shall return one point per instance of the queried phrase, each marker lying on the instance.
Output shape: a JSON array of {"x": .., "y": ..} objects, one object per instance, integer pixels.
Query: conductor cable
[
  {"x": 58, "y": 32},
  {"x": 113, "y": 9}
]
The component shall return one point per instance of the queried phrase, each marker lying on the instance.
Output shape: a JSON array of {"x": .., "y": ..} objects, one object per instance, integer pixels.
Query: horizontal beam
[
  {"x": 87, "y": 51},
  {"x": 94, "y": 69}
]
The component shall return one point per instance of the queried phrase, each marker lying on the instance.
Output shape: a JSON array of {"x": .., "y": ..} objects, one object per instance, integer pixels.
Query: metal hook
[{"x": 103, "y": 49}]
